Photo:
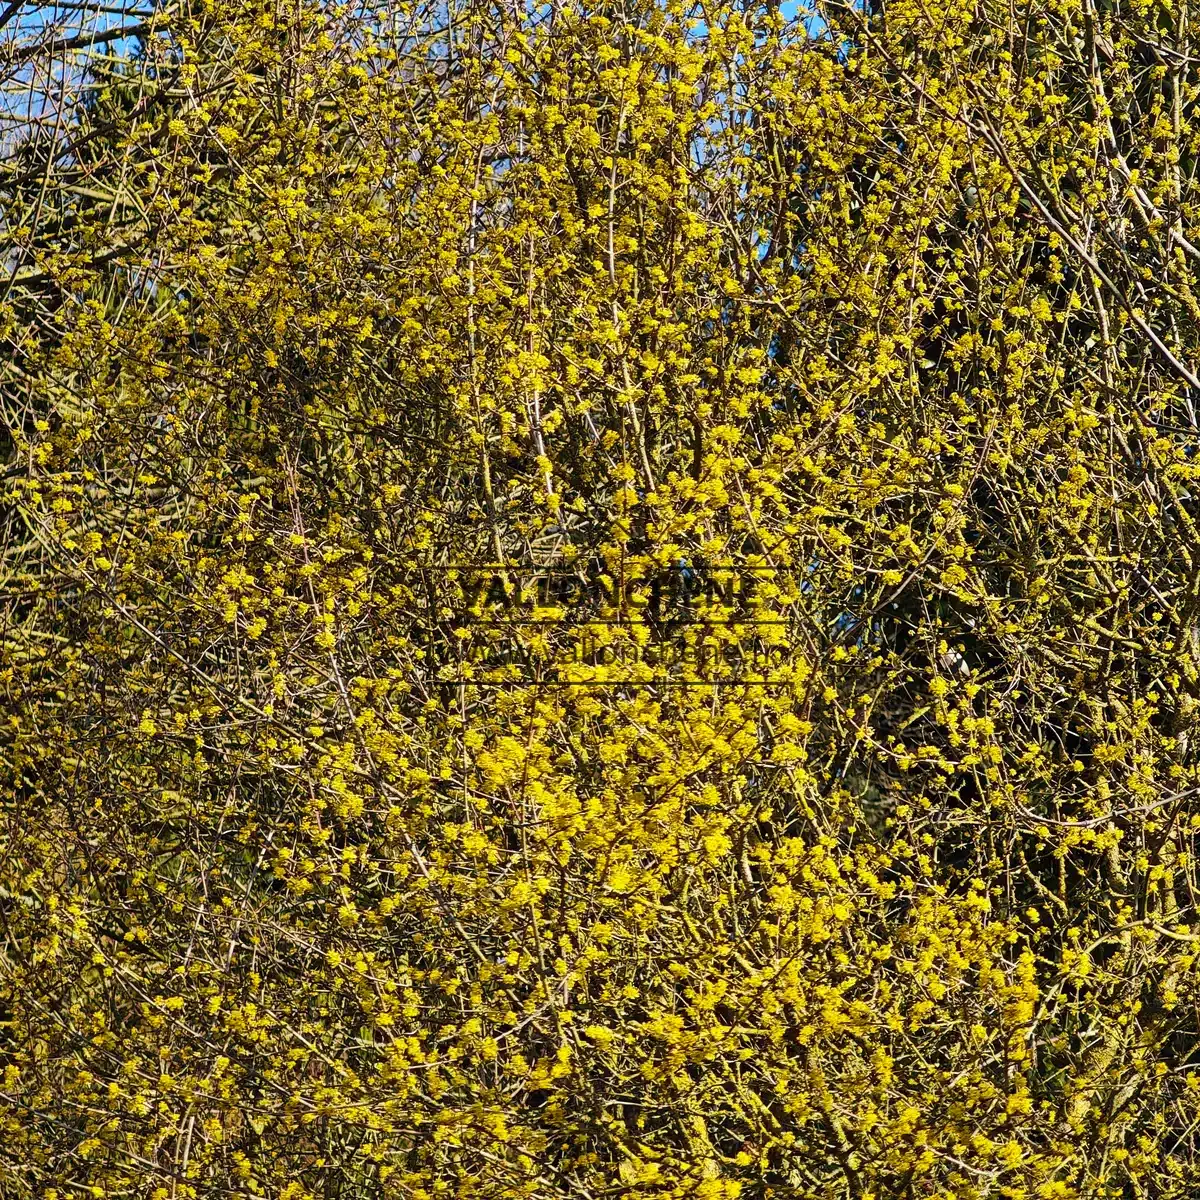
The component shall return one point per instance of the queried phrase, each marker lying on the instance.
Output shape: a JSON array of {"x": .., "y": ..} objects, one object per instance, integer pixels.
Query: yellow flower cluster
[{"x": 326, "y": 871}]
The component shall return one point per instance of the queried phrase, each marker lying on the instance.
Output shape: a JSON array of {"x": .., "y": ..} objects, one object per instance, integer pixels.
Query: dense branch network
[{"x": 599, "y": 600}]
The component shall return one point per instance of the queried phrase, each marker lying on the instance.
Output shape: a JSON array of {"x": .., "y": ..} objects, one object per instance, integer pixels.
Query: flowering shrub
[{"x": 313, "y": 311}]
